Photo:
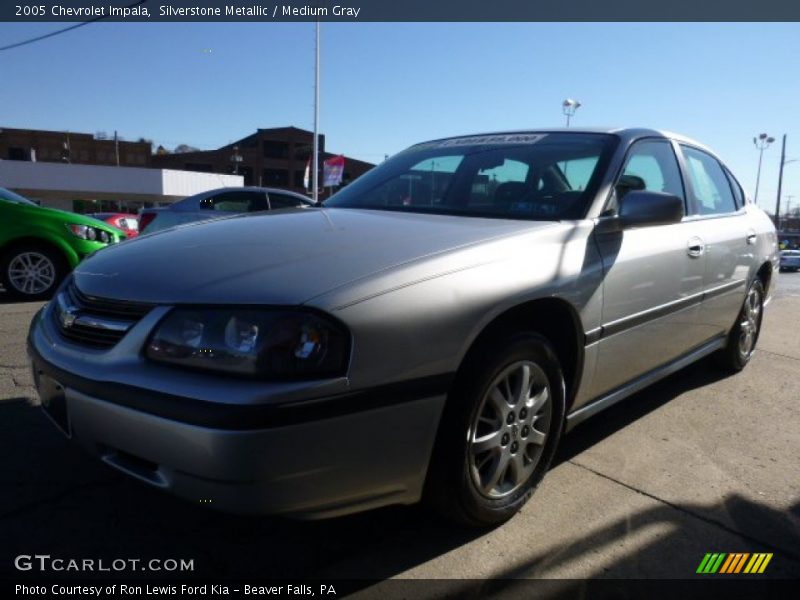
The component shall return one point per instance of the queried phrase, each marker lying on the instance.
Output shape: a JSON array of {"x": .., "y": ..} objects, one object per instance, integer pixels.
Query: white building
[{"x": 92, "y": 188}]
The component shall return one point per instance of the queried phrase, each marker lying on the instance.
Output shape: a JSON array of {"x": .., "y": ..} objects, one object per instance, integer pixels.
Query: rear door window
[
  {"x": 710, "y": 186},
  {"x": 236, "y": 202},
  {"x": 738, "y": 194}
]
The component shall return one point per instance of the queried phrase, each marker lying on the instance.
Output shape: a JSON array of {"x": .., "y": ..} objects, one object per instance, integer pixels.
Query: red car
[{"x": 126, "y": 222}]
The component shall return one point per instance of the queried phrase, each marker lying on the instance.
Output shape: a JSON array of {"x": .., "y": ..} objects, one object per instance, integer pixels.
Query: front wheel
[
  {"x": 32, "y": 272},
  {"x": 744, "y": 333},
  {"x": 499, "y": 431}
]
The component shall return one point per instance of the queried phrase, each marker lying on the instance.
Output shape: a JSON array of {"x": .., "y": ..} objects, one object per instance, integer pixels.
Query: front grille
[{"x": 92, "y": 321}]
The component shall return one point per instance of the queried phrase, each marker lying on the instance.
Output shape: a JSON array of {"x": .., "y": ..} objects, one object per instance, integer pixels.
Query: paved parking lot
[{"x": 695, "y": 464}]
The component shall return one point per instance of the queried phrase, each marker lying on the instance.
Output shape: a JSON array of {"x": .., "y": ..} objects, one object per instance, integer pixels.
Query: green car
[{"x": 39, "y": 246}]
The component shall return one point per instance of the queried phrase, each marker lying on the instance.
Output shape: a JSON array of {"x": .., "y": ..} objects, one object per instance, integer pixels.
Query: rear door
[
  {"x": 716, "y": 204},
  {"x": 653, "y": 277}
]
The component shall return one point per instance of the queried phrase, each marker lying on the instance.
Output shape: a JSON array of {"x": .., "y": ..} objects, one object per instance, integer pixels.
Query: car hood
[
  {"x": 67, "y": 217},
  {"x": 284, "y": 257}
]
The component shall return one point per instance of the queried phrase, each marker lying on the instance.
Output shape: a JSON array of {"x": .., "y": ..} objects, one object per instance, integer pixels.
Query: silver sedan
[{"x": 430, "y": 332}]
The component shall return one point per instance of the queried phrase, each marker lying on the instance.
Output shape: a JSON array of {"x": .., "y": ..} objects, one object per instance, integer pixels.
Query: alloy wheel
[
  {"x": 31, "y": 273},
  {"x": 508, "y": 434},
  {"x": 750, "y": 322}
]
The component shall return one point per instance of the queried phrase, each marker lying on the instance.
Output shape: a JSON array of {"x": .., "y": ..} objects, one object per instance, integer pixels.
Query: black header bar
[{"x": 355, "y": 11}]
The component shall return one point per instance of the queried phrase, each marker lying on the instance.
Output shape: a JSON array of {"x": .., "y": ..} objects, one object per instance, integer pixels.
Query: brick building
[
  {"x": 275, "y": 157},
  {"x": 73, "y": 148}
]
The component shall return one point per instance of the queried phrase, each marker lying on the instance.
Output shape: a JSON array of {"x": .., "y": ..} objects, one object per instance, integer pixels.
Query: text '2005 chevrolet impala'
[{"x": 429, "y": 333}]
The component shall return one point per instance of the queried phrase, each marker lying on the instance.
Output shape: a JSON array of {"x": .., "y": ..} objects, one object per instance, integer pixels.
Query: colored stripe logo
[{"x": 734, "y": 563}]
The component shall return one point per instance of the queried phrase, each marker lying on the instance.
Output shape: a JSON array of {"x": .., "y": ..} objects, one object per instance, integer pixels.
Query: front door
[{"x": 653, "y": 283}]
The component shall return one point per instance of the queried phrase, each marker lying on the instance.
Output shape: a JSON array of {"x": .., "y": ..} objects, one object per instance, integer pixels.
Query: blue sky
[{"x": 388, "y": 85}]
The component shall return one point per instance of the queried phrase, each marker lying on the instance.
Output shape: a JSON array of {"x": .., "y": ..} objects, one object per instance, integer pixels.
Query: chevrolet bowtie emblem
[{"x": 68, "y": 319}]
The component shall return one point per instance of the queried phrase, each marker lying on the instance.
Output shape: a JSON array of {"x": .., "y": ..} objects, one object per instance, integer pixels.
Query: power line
[{"x": 60, "y": 31}]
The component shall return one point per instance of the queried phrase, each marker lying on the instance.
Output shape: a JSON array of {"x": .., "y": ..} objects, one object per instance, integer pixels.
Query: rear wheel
[
  {"x": 32, "y": 272},
  {"x": 743, "y": 336},
  {"x": 499, "y": 432}
]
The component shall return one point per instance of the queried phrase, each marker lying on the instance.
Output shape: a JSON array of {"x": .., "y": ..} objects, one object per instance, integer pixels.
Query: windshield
[
  {"x": 10, "y": 196},
  {"x": 538, "y": 176}
]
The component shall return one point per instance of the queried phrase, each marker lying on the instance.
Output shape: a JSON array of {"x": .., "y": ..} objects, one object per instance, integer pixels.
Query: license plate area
[{"x": 54, "y": 401}]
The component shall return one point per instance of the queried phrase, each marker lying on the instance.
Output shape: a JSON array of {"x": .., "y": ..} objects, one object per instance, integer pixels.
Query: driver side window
[{"x": 652, "y": 166}]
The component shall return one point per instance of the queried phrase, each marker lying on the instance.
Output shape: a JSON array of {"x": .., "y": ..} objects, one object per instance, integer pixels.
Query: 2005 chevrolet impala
[{"x": 430, "y": 332}]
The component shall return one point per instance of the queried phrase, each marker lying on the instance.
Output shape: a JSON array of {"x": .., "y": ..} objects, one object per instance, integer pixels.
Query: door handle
[
  {"x": 751, "y": 237},
  {"x": 695, "y": 247}
]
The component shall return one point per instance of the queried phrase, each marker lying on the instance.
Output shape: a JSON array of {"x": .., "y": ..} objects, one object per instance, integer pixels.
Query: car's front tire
[
  {"x": 744, "y": 334},
  {"x": 499, "y": 431},
  {"x": 32, "y": 272}
]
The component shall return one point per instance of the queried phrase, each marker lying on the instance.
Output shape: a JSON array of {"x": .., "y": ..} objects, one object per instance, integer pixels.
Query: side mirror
[{"x": 640, "y": 208}]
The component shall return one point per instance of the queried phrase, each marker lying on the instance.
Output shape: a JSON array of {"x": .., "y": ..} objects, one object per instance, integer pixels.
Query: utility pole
[
  {"x": 116, "y": 146},
  {"x": 784, "y": 162},
  {"x": 315, "y": 176},
  {"x": 780, "y": 185}
]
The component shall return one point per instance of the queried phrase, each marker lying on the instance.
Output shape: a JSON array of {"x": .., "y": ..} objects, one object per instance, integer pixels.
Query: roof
[
  {"x": 252, "y": 188},
  {"x": 626, "y": 133}
]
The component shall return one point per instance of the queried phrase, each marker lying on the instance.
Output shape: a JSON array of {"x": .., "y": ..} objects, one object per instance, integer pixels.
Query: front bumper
[{"x": 309, "y": 459}]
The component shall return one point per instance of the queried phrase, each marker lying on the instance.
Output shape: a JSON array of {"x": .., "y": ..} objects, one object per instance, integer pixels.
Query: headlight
[
  {"x": 268, "y": 344},
  {"x": 92, "y": 234}
]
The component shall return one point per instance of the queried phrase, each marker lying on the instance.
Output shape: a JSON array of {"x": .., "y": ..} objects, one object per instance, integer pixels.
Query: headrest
[{"x": 510, "y": 191}]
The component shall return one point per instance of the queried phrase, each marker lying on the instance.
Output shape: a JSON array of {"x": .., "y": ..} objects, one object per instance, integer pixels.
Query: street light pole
[
  {"x": 568, "y": 107},
  {"x": 315, "y": 175},
  {"x": 761, "y": 142}
]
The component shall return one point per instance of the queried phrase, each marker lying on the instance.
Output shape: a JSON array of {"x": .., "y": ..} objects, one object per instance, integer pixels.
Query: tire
[
  {"x": 743, "y": 336},
  {"x": 492, "y": 451},
  {"x": 32, "y": 272}
]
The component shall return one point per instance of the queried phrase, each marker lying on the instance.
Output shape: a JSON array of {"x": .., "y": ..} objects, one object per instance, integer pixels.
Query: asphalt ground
[{"x": 697, "y": 463}]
